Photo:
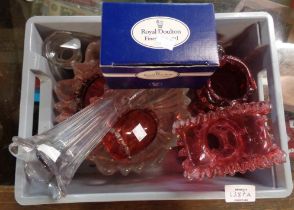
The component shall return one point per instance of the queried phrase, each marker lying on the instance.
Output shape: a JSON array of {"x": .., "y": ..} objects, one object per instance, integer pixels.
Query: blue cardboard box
[{"x": 153, "y": 45}]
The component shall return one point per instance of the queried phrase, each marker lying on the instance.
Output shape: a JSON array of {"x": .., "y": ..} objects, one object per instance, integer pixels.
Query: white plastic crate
[{"x": 168, "y": 184}]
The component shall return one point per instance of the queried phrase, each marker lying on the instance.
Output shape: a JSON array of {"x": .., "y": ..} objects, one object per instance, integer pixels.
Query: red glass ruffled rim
[
  {"x": 235, "y": 70},
  {"x": 251, "y": 163},
  {"x": 253, "y": 147},
  {"x": 232, "y": 83},
  {"x": 165, "y": 109},
  {"x": 87, "y": 85}
]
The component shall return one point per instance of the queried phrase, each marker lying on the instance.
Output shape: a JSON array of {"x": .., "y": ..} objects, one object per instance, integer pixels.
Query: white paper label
[
  {"x": 51, "y": 152},
  {"x": 239, "y": 193},
  {"x": 160, "y": 32},
  {"x": 157, "y": 74},
  {"x": 139, "y": 132},
  {"x": 166, "y": 42},
  {"x": 291, "y": 123},
  {"x": 27, "y": 149}
]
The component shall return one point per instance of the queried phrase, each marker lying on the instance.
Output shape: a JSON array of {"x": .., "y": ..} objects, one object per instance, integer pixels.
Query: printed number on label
[{"x": 240, "y": 193}]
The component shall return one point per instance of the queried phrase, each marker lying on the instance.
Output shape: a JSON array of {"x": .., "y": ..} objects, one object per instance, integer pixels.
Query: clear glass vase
[{"x": 54, "y": 156}]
